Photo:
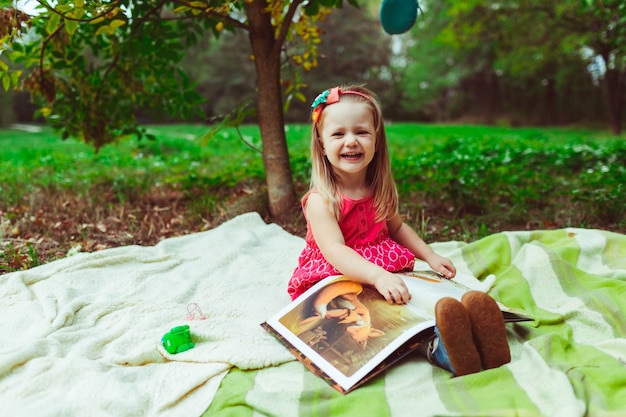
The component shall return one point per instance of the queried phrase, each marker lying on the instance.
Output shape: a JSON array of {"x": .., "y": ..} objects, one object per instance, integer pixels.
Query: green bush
[{"x": 471, "y": 179}]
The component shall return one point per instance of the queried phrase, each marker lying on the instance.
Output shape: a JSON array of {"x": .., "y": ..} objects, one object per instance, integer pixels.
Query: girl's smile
[{"x": 352, "y": 156}]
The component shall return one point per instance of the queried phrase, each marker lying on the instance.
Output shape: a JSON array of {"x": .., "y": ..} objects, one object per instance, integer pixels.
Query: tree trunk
[
  {"x": 496, "y": 94},
  {"x": 615, "y": 97},
  {"x": 614, "y": 84},
  {"x": 550, "y": 113},
  {"x": 486, "y": 92},
  {"x": 266, "y": 50}
]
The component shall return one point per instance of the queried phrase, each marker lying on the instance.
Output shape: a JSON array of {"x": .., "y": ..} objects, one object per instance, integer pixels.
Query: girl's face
[{"x": 348, "y": 137}]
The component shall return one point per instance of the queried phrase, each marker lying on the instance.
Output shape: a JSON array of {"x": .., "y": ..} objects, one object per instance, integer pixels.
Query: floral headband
[{"x": 329, "y": 97}]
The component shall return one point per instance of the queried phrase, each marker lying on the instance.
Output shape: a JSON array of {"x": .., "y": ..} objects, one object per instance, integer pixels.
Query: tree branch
[
  {"x": 116, "y": 57},
  {"x": 207, "y": 12},
  {"x": 90, "y": 19},
  {"x": 44, "y": 43},
  {"x": 286, "y": 23}
]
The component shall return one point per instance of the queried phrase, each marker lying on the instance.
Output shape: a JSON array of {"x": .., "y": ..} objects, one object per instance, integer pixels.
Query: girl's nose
[{"x": 351, "y": 139}]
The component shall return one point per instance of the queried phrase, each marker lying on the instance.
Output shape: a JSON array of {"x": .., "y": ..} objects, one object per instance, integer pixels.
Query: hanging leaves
[
  {"x": 111, "y": 27},
  {"x": 91, "y": 65}
]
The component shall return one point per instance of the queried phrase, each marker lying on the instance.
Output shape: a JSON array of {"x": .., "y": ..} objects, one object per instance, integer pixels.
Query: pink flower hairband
[{"x": 329, "y": 97}]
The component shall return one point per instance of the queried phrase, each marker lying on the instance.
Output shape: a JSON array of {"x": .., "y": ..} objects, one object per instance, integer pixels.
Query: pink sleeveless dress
[{"x": 361, "y": 232}]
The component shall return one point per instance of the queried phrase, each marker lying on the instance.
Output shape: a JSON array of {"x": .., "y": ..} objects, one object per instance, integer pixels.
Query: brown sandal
[
  {"x": 488, "y": 329},
  {"x": 455, "y": 329}
]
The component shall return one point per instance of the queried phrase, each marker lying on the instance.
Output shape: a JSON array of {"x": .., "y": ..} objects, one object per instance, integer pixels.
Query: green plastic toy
[{"x": 177, "y": 340}]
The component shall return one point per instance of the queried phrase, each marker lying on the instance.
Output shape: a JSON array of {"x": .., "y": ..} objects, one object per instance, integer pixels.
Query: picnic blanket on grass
[
  {"x": 570, "y": 362},
  {"x": 81, "y": 335}
]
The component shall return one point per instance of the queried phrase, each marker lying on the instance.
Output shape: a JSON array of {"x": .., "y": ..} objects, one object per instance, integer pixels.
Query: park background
[{"x": 500, "y": 116}]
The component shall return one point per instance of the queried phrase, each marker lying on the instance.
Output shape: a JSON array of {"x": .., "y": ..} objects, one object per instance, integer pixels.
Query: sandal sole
[
  {"x": 488, "y": 329},
  {"x": 455, "y": 329}
]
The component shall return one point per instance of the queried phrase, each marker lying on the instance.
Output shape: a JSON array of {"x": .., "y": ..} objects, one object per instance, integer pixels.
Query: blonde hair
[{"x": 379, "y": 175}]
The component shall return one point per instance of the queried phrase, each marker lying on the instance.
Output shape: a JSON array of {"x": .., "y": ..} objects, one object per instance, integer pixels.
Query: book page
[
  {"x": 347, "y": 329},
  {"x": 427, "y": 287}
]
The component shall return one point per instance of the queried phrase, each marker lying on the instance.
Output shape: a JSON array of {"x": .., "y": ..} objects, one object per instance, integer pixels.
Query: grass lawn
[{"x": 455, "y": 183}]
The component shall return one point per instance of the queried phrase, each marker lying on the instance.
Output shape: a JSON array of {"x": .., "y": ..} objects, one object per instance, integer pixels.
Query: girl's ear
[{"x": 321, "y": 142}]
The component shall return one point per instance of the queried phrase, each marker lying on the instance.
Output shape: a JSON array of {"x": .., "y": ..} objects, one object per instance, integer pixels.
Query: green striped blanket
[{"x": 570, "y": 362}]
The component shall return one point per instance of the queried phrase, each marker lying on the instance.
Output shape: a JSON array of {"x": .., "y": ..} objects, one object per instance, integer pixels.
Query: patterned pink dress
[{"x": 361, "y": 232}]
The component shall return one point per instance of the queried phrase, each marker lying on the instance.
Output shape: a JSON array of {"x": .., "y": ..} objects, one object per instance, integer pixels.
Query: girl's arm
[
  {"x": 330, "y": 240},
  {"x": 406, "y": 236}
]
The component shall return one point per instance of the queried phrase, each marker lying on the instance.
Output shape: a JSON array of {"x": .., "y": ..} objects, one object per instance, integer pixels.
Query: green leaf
[
  {"x": 102, "y": 29},
  {"x": 111, "y": 27},
  {"x": 15, "y": 76},
  {"x": 301, "y": 97},
  {"x": 71, "y": 26},
  {"x": 78, "y": 13},
  {"x": 64, "y": 8},
  {"x": 117, "y": 23},
  {"x": 17, "y": 47},
  {"x": 312, "y": 8},
  {"x": 53, "y": 23},
  {"x": 6, "y": 81}
]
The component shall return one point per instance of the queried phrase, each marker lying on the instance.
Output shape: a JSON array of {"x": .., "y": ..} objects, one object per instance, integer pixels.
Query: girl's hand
[
  {"x": 442, "y": 265},
  {"x": 393, "y": 288}
]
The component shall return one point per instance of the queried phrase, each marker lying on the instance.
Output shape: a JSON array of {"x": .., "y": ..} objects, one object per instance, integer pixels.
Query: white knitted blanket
[{"x": 81, "y": 336}]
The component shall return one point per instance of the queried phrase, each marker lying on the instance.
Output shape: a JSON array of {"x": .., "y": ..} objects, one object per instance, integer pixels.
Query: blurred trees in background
[
  {"x": 524, "y": 62},
  {"x": 353, "y": 50},
  {"x": 543, "y": 61},
  {"x": 497, "y": 63},
  {"x": 529, "y": 62}
]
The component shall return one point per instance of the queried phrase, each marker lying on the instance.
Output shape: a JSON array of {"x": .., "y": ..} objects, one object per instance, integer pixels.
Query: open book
[{"x": 347, "y": 333}]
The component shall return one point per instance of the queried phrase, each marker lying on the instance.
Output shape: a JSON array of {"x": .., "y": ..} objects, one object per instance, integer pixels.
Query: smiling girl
[
  {"x": 354, "y": 229},
  {"x": 353, "y": 224}
]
